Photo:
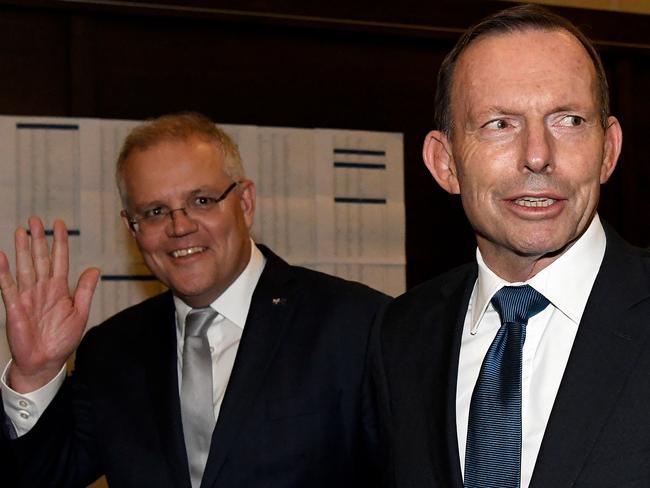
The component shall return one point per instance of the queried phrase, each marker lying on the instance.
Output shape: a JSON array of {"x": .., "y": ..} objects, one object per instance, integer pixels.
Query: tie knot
[
  {"x": 198, "y": 321},
  {"x": 518, "y": 303}
]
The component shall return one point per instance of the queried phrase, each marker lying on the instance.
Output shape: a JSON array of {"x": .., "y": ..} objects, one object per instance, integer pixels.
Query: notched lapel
[
  {"x": 457, "y": 301},
  {"x": 162, "y": 382},
  {"x": 272, "y": 307},
  {"x": 612, "y": 333},
  {"x": 424, "y": 391}
]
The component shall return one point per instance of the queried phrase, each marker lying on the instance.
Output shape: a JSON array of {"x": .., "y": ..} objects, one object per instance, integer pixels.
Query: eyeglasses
[{"x": 154, "y": 219}]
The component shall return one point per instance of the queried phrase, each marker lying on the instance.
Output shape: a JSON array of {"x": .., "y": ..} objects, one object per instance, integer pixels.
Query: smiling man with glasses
[{"x": 247, "y": 372}]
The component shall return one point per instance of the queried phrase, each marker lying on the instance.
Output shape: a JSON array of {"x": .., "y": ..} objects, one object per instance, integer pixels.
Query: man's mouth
[
  {"x": 534, "y": 202},
  {"x": 180, "y": 253}
]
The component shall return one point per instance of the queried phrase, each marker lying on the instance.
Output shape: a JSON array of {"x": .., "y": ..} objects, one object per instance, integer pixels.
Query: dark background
[{"x": 340, "y": 64}]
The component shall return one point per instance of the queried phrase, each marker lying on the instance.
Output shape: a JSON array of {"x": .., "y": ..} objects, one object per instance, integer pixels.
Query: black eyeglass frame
[{"x": 134, "y": 222}]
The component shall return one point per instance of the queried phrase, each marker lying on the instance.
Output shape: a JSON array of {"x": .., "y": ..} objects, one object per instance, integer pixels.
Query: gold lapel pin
[{"x": 279, "y": 301}]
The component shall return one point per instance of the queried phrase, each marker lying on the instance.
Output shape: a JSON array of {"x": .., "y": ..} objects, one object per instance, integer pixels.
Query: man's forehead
[
  {"x": 533, "y": 57},
  {"x": 174, "y": 162}
]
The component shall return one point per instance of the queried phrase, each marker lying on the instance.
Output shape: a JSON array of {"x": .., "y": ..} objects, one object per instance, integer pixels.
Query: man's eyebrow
[
  {"x": 498, "y": 110},
  {"x": 163, "y": 201},
  {"x": 492, "y": 111},
  {"x": 564, "y": 108},
  {"x": 187, "y": 194},
  {"x": 156, "y": 202},
  {"x": 576, "y": 107}
]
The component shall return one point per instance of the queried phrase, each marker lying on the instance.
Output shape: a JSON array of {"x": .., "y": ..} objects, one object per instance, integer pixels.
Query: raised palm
[{"x": 45, "y": 322}]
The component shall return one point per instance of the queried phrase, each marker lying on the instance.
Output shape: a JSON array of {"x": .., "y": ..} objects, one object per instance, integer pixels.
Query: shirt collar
[
  {"x": 557, "y": 282},
  {"x": 235, "y": 301}
]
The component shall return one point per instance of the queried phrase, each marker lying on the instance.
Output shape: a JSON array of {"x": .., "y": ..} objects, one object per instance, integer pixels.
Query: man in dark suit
[
  {"x": 267, "y": 391},
  {"x": 529, "y": 367}
]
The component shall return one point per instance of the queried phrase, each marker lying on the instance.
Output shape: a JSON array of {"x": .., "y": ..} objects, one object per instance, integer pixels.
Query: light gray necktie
[{"x": 197, "y": 409}]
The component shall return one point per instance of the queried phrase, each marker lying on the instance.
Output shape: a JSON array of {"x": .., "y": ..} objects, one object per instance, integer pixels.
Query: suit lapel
[
  {"x": 424, "y": 359},
  {"x": 458, "y": 301},
  {"x": 609, "y": 339},
  {"x": 270, "y": 311},
  {"x": 162, "y": 382}
]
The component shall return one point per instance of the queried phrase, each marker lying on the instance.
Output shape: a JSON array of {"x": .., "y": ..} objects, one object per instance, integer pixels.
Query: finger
[
  {"x": 84, "y": 291},
  {"x": 7, "y": 283},
  {"x": 60, "y": 251},
  {"x": 40, "y": 251},
  {"x": 9, "y": 290},
  {"x": 25, "y": 277}
]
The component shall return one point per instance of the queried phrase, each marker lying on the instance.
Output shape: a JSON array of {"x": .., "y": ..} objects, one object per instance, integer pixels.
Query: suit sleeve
[{"x": 60, "y": 450}]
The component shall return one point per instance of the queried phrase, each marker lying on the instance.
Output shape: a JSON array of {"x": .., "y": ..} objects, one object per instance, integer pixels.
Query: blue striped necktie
[{"x": 493, "y": 454}]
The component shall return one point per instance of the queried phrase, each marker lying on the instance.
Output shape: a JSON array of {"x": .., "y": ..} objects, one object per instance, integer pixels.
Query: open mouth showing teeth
[
  {"x": 534, "y": 202},
  {"x": 187, "y": 252}
]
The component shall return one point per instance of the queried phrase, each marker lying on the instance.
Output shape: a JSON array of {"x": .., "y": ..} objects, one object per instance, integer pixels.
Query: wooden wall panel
[
  {"x": 366, "y": 65},
  {"x": 33, "y": 63}
]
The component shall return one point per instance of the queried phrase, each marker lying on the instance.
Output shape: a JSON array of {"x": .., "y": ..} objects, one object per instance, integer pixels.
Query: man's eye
[
  {"x": 498, "y": 124},
  {"x": 572, "y": 121},
  {"x": 154, "y": 212},
  {"x": 203, "y": 202}
]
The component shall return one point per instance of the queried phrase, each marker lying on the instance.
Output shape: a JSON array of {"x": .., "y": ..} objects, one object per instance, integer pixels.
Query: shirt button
[
  {"x": 22, "y": 403},
  {"x": 211, "y": 350},
  {"x": 24, "y": 415}
]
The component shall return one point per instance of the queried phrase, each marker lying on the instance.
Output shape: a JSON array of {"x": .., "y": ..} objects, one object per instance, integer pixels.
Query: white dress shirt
[
  {"x": 24, "y": 409},
  {"x": 566, "y": 283},
  {"x": 227, "y": 328}
]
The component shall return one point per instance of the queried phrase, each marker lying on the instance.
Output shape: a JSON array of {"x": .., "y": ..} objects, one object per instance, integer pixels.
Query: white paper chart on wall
[{"x": 331, "y": 200}]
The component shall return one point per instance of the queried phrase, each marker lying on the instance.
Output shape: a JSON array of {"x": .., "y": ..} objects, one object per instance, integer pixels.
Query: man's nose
[
  {"x": 181, "y": 222},
  {"x": 538, "y": 153}
]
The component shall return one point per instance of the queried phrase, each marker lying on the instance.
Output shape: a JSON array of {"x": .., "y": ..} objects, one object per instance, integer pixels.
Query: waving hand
[{"x": 45, "y": 322}]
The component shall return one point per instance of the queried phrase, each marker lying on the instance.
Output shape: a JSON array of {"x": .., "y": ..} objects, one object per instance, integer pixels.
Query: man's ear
[
  {"x": 125, "y": 221},
  {"x": 247, "y": 195},
  {"x": 440, "y": 162},
  {"x": 611, "y": 149}
]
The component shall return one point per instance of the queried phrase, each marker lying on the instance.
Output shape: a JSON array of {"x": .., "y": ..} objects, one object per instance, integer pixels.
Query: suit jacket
[
  {"x": 294, "y": 413},
  {"x": 598, "y": 434}
]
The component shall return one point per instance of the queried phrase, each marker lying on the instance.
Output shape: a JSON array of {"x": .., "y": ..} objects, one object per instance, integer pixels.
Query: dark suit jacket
[
  {"x": 598, "y": 434},
  {"x": 294, "y": 414}
]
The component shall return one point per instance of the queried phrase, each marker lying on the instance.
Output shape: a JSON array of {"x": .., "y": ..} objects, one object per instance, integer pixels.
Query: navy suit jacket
[
  {"x": 295, "y": 413},
  {"x": 598, "y": 434}
]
